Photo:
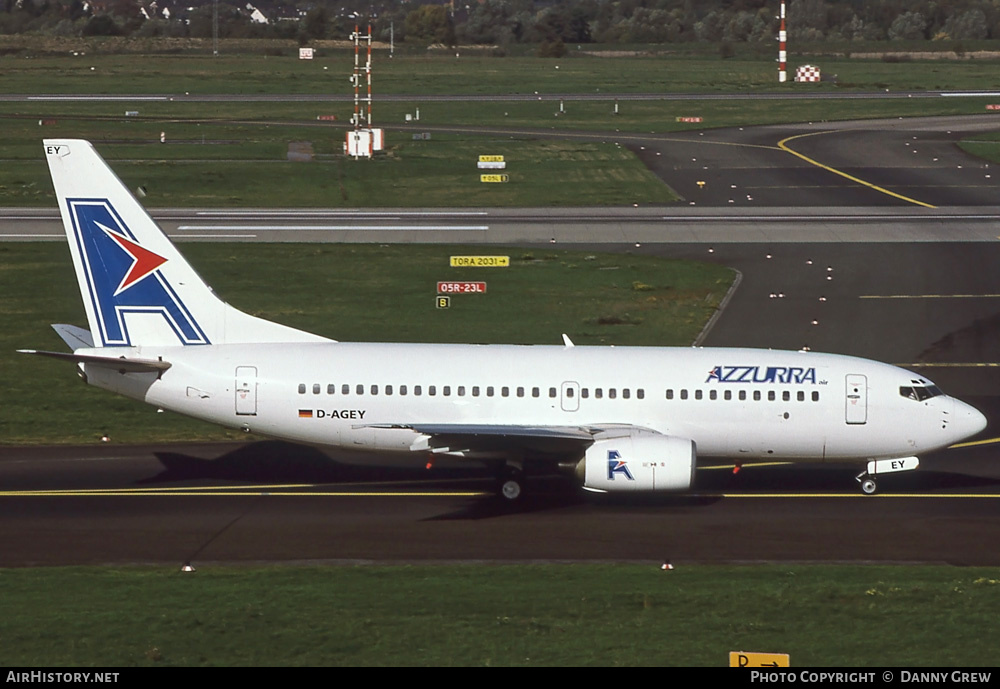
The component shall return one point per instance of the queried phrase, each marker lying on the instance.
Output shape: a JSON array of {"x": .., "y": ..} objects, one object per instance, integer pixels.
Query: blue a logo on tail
[{"x": 125, "y": 278}]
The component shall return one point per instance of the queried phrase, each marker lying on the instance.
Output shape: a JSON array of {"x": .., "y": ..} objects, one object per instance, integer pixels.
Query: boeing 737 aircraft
[{"x": 622, "y": 418}]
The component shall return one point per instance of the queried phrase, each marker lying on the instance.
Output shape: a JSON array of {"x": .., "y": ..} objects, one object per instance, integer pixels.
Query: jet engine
[{"x": 638, "y": 461}]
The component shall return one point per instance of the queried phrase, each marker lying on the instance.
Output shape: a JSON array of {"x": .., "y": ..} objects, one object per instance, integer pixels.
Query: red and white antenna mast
[
  {"x": 364, "y": 140},
  {"x": 782, "y": 54},
  {"x": 368, "y": 71}
]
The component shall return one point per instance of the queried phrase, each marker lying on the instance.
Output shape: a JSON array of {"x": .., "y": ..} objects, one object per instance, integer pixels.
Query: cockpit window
[{"x": 919, "y": 393}]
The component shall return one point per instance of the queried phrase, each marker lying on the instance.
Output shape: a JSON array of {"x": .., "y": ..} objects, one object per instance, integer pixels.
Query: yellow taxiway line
[
  {"x": 783, "y": 145},
  {"x": 929, "y": 296}
]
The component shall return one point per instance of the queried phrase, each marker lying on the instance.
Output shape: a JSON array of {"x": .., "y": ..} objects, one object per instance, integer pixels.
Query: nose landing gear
[{"x": 869, "y": 486}]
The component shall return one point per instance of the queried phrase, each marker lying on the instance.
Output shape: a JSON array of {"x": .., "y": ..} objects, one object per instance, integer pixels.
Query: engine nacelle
[{"x": 638, "y": 461}]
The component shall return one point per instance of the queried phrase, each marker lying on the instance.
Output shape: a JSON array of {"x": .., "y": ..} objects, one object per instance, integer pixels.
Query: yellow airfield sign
[
  {"x": 495, "y": 178},
  {"x": 480, "y": 261},
  {"x": 490, "y": 159},
  {"x": 745, "y": 659}
]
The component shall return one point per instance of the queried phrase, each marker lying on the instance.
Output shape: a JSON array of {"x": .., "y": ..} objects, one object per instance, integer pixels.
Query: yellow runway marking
[
  {"x": 975, "y": 443},
  {"x": 242, "y": 492},
  {"x": 852, "y": 495},
  {"x": 235, "y": 493},
  {"x": 981, "y": 364},
  {"x": 282, "y": 490},
  {"x": 783, "y": 146},
  {"x": 929, "y": 296},
  {"x": 730, "y": 467}
]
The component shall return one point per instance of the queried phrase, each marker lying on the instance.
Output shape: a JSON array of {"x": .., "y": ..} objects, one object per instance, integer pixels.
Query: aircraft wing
[{"x": 497, "y": 438}]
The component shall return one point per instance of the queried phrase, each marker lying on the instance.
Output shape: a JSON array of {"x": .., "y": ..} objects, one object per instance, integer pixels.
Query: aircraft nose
[{"x": 969, "y": 420}]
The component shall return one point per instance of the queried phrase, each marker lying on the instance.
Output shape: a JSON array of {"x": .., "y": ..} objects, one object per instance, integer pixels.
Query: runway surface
[{"x": 866, "y": 272}]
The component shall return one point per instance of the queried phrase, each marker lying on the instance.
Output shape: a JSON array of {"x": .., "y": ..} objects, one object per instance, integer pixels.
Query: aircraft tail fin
[{"x": 137, "y": 288}]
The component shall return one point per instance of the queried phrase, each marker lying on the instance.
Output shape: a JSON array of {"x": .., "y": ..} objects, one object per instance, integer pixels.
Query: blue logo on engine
[{"x": 617, "y": 465}]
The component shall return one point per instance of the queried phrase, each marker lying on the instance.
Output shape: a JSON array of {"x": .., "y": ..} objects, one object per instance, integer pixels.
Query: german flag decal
[{"x": 305, "y": 413}]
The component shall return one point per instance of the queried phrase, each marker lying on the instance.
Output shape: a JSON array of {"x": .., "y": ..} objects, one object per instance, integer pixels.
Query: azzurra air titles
[{"x": 783, "y": 375}]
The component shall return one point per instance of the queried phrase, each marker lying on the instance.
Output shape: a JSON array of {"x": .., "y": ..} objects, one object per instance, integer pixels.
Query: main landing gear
[{"x": 510, "y": 483}]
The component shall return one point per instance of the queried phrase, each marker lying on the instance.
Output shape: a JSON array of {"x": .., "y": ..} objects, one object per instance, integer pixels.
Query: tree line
[{"x": 503, "y": 23}]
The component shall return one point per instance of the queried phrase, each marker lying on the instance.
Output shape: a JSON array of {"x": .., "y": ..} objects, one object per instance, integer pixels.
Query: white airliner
[{"x": 624, "y": 418}]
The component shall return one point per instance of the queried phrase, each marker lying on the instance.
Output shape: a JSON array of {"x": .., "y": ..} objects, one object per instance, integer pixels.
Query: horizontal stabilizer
[
  {"x": 76, "y": 338},
  {"x": 120, "y": 364}
]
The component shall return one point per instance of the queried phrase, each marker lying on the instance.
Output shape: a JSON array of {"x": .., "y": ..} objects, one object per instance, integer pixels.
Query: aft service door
[
  {"x": 857, "y": 399},
  {"x": 246, "y": 390},
  {"x": 570, "y": 396}
]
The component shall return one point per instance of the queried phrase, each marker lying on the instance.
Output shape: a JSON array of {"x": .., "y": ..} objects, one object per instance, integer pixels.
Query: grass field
[
  {"x": 554, "y": 615},
  {"x": 255, "y": 172},
  {"x": 216, "y": 149},
  {"x": 581, "y": 71},
  {"x": 986, "y": 146},
  {"x": 366, "y": 293}
]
